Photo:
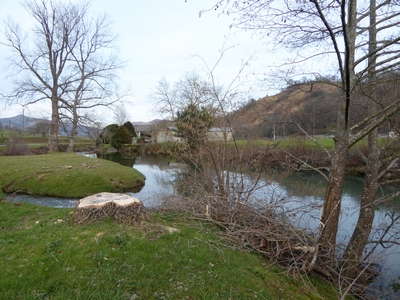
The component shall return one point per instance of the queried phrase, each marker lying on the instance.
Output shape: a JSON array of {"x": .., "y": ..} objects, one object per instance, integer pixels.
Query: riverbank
[
  {"x": 170, "y": 257},
  {"x": 65, "y": 175},
  {"x": 292, "y": 154}
]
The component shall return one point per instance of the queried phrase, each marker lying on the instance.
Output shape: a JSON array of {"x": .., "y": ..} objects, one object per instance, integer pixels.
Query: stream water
[{"x": 301, "y": 192}]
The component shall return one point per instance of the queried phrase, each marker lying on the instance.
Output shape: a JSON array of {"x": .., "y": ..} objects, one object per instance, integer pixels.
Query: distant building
[
  {"x": 217, "y": 134},
  {"x": 145, "y": 132},
  {"x": 169, "y": 134},
  {"x": 392, "y": 134}
]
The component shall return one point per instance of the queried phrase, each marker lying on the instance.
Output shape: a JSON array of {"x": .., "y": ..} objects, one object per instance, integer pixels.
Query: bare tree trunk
[
  {"x": 53, "y": 138},
  {"x": 333, "y": 197},
  {"x": 353, "y": 255},
  {"x": 74, "y": 129},
  {"x": 72, "y": 138}
]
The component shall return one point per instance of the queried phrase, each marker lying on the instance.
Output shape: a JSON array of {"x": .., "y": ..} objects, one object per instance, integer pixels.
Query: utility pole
[{"x": 23, "y": 120}]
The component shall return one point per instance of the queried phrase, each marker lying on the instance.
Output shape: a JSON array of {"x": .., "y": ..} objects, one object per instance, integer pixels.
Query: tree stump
[{"x": 124, "y": 208}]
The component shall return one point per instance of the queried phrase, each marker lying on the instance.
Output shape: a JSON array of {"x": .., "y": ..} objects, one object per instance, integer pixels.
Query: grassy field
[
  {"x": 44, "y": 256},
  {"x": 292, "y": 142},
  {"x": 65, "y": 175},
  {"x": 37, "y": 141}
]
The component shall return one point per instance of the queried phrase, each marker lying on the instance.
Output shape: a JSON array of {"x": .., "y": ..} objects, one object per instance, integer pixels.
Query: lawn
[
  {"x": 44, "y": 256},
  {"x": 65, "y": 175}
]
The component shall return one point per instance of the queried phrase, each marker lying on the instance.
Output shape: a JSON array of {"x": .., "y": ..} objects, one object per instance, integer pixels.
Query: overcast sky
[{"x": 157, "y": 39}]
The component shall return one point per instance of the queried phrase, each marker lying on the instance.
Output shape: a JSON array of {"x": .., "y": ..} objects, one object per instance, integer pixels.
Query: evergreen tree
[
  {"x": 193, "y": 124},
  {"x": 128, "y": 125},
  {"x": 106, "y": 134},
  {"x": 120, "y": 137}
]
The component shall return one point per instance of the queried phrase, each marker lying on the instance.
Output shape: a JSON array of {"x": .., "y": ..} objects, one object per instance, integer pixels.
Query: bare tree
[
  {"x": 203, "y": 101},
  {"x": 120, "y": 114},
  {"x": 340, "y": 31},
  {"x": 94, "y": 129},
  {"x": 353, "y": 254},
  {"x": 63, "y": 62},
  {"x": 94, "y": 72},
  {"x": 42, "y": 127},
  {"x": 193, "y": 90}
]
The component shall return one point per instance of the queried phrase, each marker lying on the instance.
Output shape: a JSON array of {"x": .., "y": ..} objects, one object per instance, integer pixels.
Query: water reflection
[
  {"x": 304, "y": 194},
  {"x": 161, "y": 178},
  {"x": 117, "y": 157}
]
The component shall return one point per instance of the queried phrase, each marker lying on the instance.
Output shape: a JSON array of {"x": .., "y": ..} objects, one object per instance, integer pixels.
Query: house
[
  {"x": 169, "y": 134},
  {"x": 144, "y": 132},
  {"x": 218, "y": 134},
  {"x": 215, "y": 134}
]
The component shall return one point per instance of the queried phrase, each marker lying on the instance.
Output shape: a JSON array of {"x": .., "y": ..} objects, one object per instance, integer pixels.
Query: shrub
[
  {"x": 193, "y": 124},
  {"x": 120, "y": 137},
  {"x": 106, "y": 135},
  {"x": 128, "y": 125}
]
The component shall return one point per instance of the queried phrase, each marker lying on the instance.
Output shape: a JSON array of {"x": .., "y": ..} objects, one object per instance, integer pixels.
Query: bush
[
  {"x": 193, "y": 124},
  {"x": 128, "y": 125},
  {"x": 120, "y": 137},
  {"x": 16, "y": 146},
  {"x": 106, "y": 135}
]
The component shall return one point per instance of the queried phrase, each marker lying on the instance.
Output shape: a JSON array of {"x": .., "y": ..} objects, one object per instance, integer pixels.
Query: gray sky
[{"x": 157, "y": 38}]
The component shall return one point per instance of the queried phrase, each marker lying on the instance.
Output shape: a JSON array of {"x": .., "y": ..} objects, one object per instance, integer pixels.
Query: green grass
[
  {"x": 29, "y": 138},
  {"x": 287, "y": 144},
  {"x": 293, "y": 142},
  {"x": 37, "y": 141},
  {"x": 44, "y": 256},
  {"x": 65, "y": 175}
]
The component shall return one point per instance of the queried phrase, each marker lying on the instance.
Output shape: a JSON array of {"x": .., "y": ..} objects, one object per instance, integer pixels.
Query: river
[{"x": 302, "y": 191}]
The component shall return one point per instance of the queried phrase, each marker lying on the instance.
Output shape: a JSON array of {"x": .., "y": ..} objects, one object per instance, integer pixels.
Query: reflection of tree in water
[
  {"x": 167, "y": 176},
  {"x": 301, "y": 184},
  {"x": 159, "y": 162},
  {"x": 117, "y": 157},
  {"x": 200, "y": 181},
  {"x": 182, "y": 180},
  {"x": 312, "y": 184}
]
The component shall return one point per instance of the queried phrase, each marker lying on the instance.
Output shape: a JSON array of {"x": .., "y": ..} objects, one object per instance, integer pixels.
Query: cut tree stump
[{"x": 124, "y": 208}]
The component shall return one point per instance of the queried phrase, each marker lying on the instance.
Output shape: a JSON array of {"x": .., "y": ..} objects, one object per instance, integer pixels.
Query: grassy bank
[
  {"x": 44, "y": 256},
  {"x": 65, "y": 175}
]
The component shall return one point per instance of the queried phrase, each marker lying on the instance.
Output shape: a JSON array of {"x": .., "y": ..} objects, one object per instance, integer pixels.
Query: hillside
[
  {"x": 20, "y": 122},
  {"x": 306, "y": 104},
  {"x": 35, "y": 125}
]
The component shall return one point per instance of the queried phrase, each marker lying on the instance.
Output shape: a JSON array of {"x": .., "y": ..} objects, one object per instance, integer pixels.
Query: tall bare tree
[
  {"x": 93, "y": 69},
  {"x": 60, "y": 62},
  {"x": 120, "y": 114},
  {"x": 191, "y": 90},
  {"x": 339, "y": 30},
  {"x": 359, "y": 239}
]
